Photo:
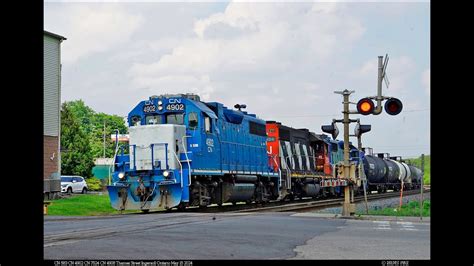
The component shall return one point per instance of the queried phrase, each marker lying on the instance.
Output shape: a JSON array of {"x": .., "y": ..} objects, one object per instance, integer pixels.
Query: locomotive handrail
[
  {"x": 279, "y": 171},
  {"x": 288, "y": 175},
  {"x": 181, "y": 168},
  {"x": 187, "y": 158}
]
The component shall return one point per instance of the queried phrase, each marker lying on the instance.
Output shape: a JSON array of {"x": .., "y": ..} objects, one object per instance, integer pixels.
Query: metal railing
[
  {"x": 279, "y": 170},
  {"x": 181, "y": 168},
  {"x": 187, "y": 158}
]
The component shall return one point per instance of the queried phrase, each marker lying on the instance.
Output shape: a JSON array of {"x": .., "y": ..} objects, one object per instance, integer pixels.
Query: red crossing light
[
  {"x": 393, "y": 106},
  {"x": 365, "y": 106}
]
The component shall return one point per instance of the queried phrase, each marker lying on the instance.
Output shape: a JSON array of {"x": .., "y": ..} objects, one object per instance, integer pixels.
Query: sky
[{"x": 283, "y": 60}]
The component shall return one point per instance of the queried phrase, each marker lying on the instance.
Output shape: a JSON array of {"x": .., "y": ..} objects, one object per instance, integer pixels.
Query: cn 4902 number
[
  {"x": 149, "y": 108},
  {"x": 175, "y": 107}
]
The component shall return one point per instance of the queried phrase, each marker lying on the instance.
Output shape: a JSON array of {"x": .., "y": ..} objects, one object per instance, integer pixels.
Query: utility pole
[
  {"x": 104, "y": 138},
  {"x": 347, "y": 207}
]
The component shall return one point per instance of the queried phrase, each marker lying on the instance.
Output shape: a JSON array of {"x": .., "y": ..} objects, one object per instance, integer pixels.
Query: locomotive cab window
[
  {"x": 192, "y": 120},
  {"x": 153, "y": 119},
  {"x": 176, "y": 119}
]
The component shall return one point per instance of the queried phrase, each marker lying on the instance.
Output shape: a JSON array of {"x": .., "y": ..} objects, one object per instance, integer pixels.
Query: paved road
[
  {"x": 389, "y": 238},
  {"x": 231, "y": 236}
]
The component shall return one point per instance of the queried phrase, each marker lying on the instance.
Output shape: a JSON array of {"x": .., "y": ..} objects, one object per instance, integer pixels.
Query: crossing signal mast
[
  {"x": 393, "y": 106},
  {"x": 365, "y": 106}
]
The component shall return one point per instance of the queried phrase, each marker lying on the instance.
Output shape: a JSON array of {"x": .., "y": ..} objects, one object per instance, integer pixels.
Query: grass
[
  {"x": 410, "y": 209},
  {"x": 83, "y": 205},
  {"x": 417, "y": 162}
]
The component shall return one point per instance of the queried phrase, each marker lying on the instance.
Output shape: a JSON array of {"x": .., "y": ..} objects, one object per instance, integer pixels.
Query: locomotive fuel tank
[
  {"x": 393, "y": 171},
  {"x": 237, "y": 192},
  {"x": 375, "y": 169}
]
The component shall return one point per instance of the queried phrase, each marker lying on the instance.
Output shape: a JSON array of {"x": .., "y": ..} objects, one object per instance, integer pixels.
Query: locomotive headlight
[
  {"x": 166, "y": 173},
  {"x": 160, "y": 107},
  {"x": 121, "y": 175},
  {"x": 160, "y": 102}
]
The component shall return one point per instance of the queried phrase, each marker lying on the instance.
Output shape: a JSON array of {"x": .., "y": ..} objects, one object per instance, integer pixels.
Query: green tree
[
  {"x": 84, "y": 114},
  {"x": 92, "y": 124},
  {"x": 76, "y": 156}
]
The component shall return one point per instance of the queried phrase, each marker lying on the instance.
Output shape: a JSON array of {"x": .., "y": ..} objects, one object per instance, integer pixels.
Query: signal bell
[
  {"x": 393, "y": 106},
  {"x": 365, "y": 106}
]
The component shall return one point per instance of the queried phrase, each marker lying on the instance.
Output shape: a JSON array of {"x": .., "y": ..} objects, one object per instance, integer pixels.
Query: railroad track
[
  {"x": 132, "y": 226},
  {"x": 298, "y": 205}
]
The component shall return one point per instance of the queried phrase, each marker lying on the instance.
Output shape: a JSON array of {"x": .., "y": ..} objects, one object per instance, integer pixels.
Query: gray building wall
[
  {"x": 52, "y": 92},
  {"x": 51, "y": 114}
]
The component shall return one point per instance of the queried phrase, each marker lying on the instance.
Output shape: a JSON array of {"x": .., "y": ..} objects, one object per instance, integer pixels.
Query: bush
[{"x": 94, "y": 184}]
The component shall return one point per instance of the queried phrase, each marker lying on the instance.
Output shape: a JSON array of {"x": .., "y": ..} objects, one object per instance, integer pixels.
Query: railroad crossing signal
[
  {"x": 361, "y": 129},
  {"x": 331, "y": 129},
  {"x": 393, "y": 106},
  {"x": 365, "y": 106}
]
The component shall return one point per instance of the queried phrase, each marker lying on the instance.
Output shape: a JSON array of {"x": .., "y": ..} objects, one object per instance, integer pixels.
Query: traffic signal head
[
  {"x": 393, "y": 106},
  {"x": 361, "y": 129},
  {"x": 365, "y": 106},
  {"x": 331, "y": 129}
]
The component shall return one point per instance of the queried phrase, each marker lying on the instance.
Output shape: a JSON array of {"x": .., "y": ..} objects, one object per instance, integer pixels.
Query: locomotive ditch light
[
  {"x": 393, "y": 106},
  {"x": 331, "y": 129},
  {"x": 365, "y": 106}
]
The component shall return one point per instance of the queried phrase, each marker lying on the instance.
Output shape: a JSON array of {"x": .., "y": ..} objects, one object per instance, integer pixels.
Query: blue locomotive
[{"x": 185, "y": 152}]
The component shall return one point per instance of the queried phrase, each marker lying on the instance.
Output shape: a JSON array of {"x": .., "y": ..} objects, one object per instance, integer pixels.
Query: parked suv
[{"x": 72, "y": 184}]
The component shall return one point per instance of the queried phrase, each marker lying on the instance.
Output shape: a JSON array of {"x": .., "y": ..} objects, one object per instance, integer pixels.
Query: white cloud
[
  {"x": 91, "y": 28},
  {"x": 284, "y": 60},
  {"x": 251, "y": 41},
  {"x": 426, "y": 80}
]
